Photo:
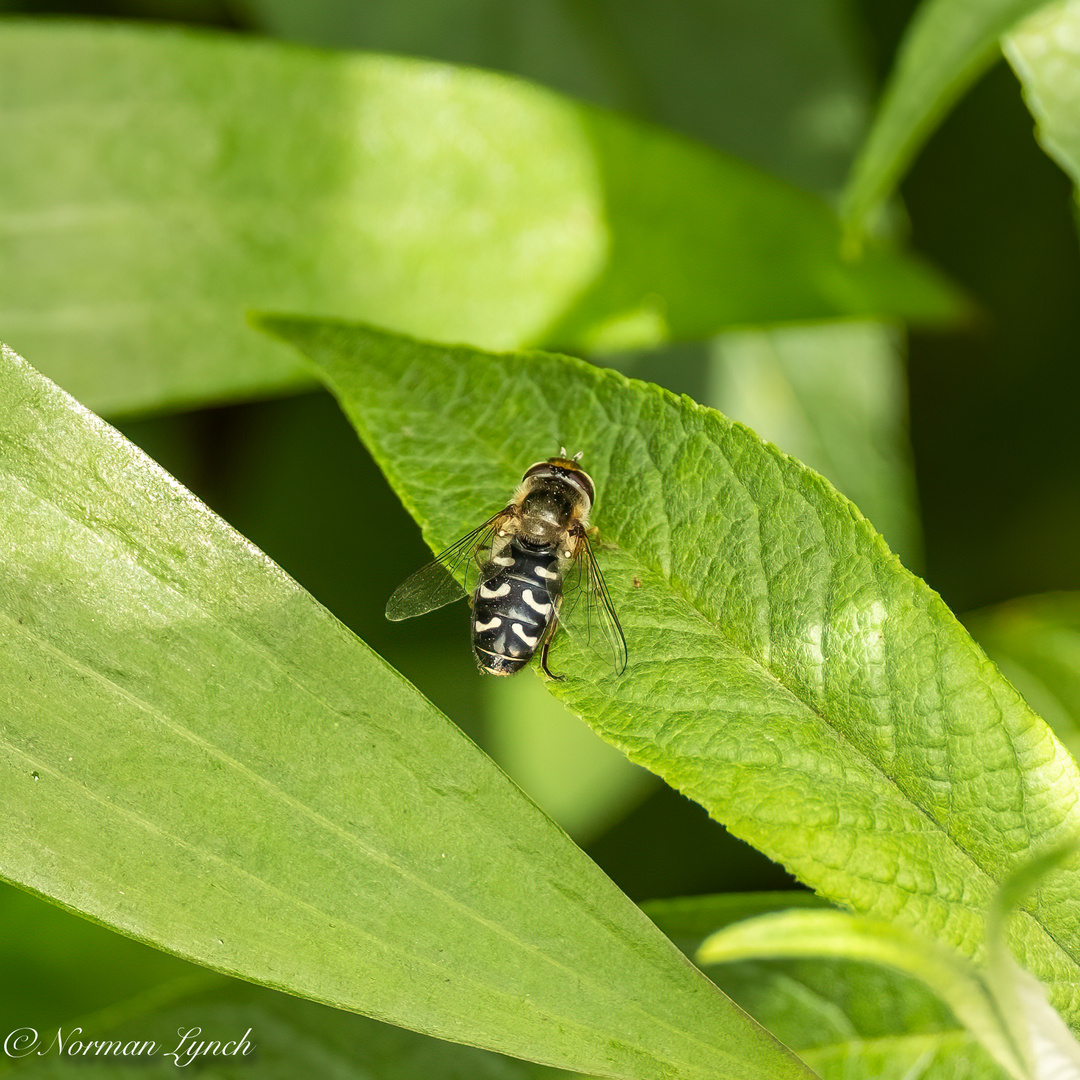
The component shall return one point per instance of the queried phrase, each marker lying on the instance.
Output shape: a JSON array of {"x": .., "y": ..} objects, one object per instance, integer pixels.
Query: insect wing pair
[{"x": 522, "y": 591}]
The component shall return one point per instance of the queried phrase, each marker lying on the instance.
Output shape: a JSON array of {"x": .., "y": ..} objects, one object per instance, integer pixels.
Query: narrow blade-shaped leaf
[
  {"x": 817, "y": 1004},
  {"x": 785, "y": 670},
  {"x": 137, "y": 228},
  {"x": 837, "y": 934},
  {"x": 200, "y": 756},
  {"x": 949, "y": 44}
]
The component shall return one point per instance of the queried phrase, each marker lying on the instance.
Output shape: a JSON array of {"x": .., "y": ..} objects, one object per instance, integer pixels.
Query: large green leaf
[
  {"x": 785, "y": 670},
  {"x": 64, "y": 973},
  {"x": 1045, "y": 54},
  {"x": 137, "y": 228},
  {"x": 780, "y": 83},
  {"x": 949, "y": 44},
  {"x": 201, "y": 757}
]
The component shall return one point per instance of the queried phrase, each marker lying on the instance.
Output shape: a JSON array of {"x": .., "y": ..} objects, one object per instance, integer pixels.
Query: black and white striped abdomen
[{"x": 512, "y": 610}]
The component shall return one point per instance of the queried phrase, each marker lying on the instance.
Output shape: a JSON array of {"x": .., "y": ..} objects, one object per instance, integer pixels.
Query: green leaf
[
  {"x": 948, "y": 45},
  {"x": 785, "y": 670},
  {"x": 846, "y": 1018},
  {"x": 1003, "y": 1007},
  {"x": 813, "y": 1003},
  {"x": 952, "y": 1055},
  {"x": 63, "y": 972},
  {"x": 1035, "y": 640},
  {"x": 835, "y": 934},
  {"x": 57, "y": 966},
  {"x": 780, "y": 84},
  {"x": 200, "y": 756},
  {"x": 1045, "y": 54},
  {"x": 138, "y": 228},
  {"x": 1046, "y": 1047}
]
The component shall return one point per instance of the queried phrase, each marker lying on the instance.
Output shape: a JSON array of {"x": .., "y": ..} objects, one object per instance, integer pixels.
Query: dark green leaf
[{"x": 261, "y": 1034}]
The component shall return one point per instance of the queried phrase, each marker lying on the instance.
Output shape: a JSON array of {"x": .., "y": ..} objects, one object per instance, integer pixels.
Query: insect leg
[{"x": 548, "y": 635}]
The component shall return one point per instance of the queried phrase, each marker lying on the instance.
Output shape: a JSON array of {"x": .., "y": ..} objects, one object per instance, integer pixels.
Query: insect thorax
[{"x": 549, "y": 510}]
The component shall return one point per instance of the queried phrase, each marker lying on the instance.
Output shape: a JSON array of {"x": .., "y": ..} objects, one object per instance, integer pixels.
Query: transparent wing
[
  {"x": 434, "y": 585},
  {"x": 587, "y": 610}
]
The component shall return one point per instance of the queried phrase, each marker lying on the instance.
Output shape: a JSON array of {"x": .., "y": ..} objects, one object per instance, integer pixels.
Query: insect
[{"x": 533, "y": 567}]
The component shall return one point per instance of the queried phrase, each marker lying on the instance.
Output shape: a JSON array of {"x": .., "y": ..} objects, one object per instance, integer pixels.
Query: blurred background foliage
[{"x": 978, "y": 420}]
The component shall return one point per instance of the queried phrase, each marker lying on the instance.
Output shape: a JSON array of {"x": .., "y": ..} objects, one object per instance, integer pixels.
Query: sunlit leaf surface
[{"x": 137, "y": 228}]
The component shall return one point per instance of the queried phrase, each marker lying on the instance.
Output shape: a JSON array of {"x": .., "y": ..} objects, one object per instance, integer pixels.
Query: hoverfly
[{"x": 534, "y": 566}]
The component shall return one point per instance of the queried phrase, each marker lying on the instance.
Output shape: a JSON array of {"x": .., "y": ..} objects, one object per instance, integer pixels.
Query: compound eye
[
  {"x": 586, "y": 481},
  {"x": 532, "y": 470}
]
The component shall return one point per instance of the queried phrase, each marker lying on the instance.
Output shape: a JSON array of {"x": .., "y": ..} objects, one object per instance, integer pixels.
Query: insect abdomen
[{"x": 513, "y": 610}]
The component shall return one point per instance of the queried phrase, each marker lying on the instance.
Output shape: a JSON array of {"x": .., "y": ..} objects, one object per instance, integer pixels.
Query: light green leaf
[
  {"x": 818, "y": 1005},
  {"x": 948, "y": 45},
  {"x": 201, "y": 757},
  {"x": 835, "y": 934},
  {"x": 137, "y": 228},
  {"x": 1046, "y": 1047},
  {"x": 780, "y": 83},
  {"x": 785, "y": 670},
  {"x": 833, "y": 396},
  {"x": 1045, "y": 53},
  {"x": 952, "y": 1055},
  {"x": 1035, "y": 640}
]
